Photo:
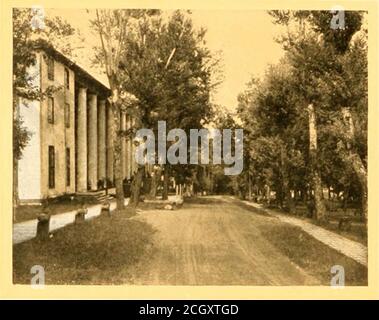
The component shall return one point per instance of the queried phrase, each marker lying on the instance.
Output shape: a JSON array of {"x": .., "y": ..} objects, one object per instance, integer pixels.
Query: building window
[
  {"x": 67, "y": 115},
  {"x": 68, "y": 168},
  {"x": 67, "y": 78},
  {"x": 51, "y": 167},
  {"x": 50, "y": 68},
  {"x": 50, "y": 110}
]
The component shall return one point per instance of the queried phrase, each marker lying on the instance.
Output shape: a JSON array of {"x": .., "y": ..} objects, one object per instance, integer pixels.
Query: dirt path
[{"x": 214, "y": 242}]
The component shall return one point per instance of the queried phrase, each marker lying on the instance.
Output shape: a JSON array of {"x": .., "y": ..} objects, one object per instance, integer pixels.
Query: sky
[{"x": 246, "y": 40}]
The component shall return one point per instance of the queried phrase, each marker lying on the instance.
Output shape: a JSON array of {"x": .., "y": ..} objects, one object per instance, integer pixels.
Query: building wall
[
  {"x": 33, "y": 168},
  {"x": 57, "y": 134},
  {"x": 29, "y": 174}
]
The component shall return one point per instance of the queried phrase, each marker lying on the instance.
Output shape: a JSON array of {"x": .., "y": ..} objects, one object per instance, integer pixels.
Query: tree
[
  {"x": 275, "y": 125},
  {"x": 139, "y": 73},
  {"x": 114, "y": 27},
  {"x": 187, "y": 82},
  {"x": 306, "y": 119},
  {"x": 317, "y": 53},
  {"x": 166, "y": 67}
]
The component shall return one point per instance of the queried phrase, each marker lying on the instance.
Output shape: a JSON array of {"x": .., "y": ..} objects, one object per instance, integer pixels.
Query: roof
[{"x": 81, "y": 74}]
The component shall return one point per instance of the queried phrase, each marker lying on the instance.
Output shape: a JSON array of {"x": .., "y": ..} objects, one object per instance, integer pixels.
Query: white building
[{"x": 70, "y": 150}]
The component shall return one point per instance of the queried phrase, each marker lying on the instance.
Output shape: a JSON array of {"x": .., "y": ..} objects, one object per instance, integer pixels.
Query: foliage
[
  {"x": 161, "y": 62},
  {"x": 322, "y": 66}
]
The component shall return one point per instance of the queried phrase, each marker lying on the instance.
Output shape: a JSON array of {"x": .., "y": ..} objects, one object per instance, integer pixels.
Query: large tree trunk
[
  {"x": 15, "y": 159},
  {"x": 153, "y": 187},
  {"x": 289, "y": 203},
  {"x": 268, "y": 194},
  {"x": 15, "y": 187},
  {"x": 320, "y": 210},
  {"x": 280, "y": 195},
  {"x": 111, "y": 61},
  {"x": 355, "y": 161},
  {"x": 155, "y": 176},
  {"x": 249, "y": 187},
  {"x": 136, "y": 187},
  {"x": 166, "y": 177},
  {"x": 361, "y": 173},
  {"x": 118, "y": 171}
]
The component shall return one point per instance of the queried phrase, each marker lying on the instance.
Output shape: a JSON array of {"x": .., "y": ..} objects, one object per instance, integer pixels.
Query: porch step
[
  {"x": 99, "y": 195},
  {"x": 90, "y": 193},
  {"x": 104, "y": 197}
]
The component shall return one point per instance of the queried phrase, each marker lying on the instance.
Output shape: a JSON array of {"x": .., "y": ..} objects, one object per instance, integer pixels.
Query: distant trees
[
  {"x": 186, "y": 83},
  {"x": 219, "y": 182},
  {"x": 306, "y": 120}
]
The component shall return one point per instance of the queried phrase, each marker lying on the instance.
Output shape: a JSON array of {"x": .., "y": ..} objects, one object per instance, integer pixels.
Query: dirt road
[{"x": 214, "y": 241}]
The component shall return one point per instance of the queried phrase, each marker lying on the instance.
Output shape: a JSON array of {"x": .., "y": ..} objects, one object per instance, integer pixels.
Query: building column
[
  {"x": 92, "y": 141},
  {"x": 129, "y": 150},
  {"x": 127, "y": 147},
  {"x": 123, "y": 145},
  {"x": 110, "y": 148},
  {"x": 101, "y": 159},
  {"x": 81, "y": 164},
  {"x": 132, "y": 156}
]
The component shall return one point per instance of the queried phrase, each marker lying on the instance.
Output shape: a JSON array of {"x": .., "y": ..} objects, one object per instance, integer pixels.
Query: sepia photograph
[{"x": 199, "y": 147}]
